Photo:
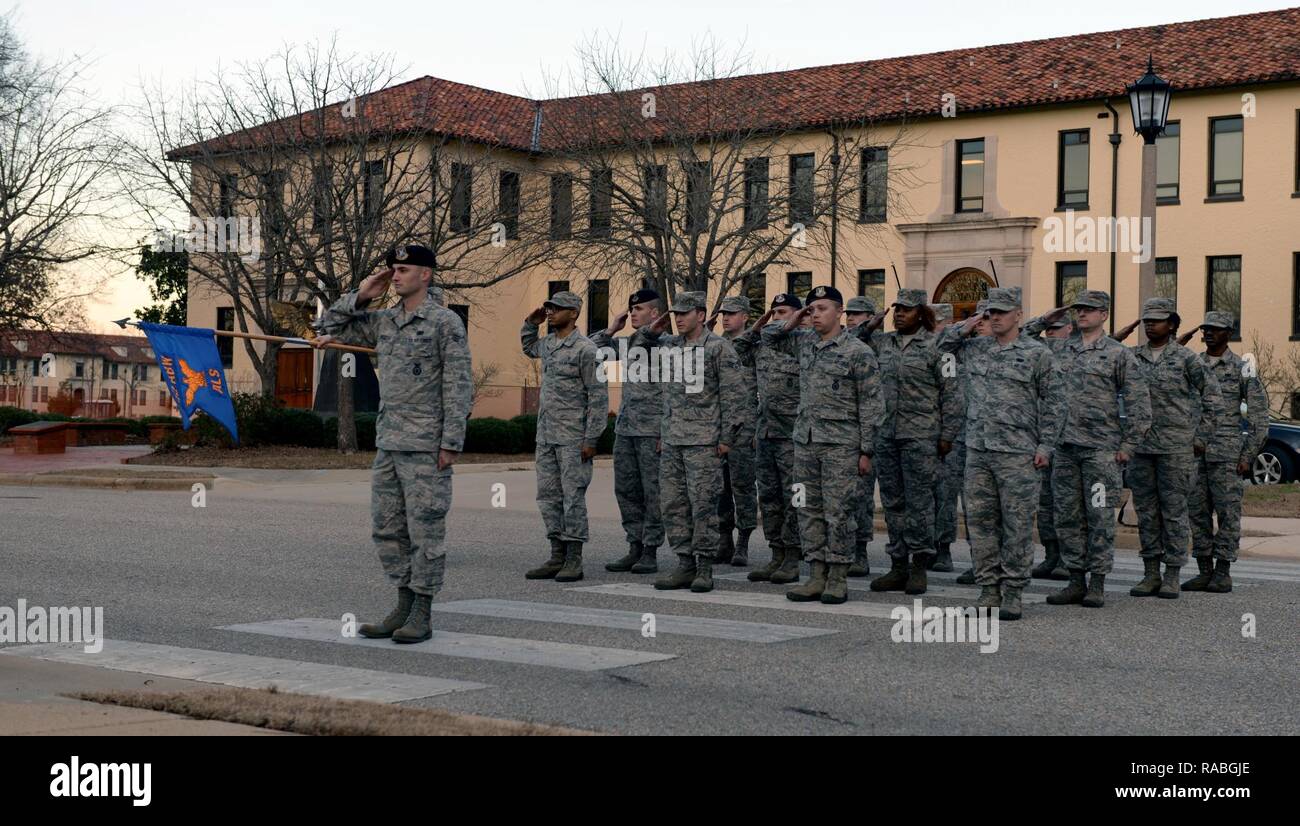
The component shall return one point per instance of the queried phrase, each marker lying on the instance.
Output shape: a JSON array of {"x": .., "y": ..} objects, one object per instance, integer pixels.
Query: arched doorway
[{"x": 963, "y": 289}]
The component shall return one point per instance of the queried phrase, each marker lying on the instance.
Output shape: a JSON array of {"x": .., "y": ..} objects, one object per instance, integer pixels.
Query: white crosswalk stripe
[
  {"x": 722, "y": 629},
  {"x": 246, "y": 671},
  {"x": 962, "y": 593},
  {"x": 473, "y": 646},
  {"x": 743, "y": 599}
]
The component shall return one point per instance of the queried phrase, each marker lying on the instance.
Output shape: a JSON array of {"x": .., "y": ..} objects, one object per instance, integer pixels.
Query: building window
[
  {"x": 112, "y": 395},
  {"x": 873, "y": 195},
  {"x": 273, "y": 184},
  {"x": 1223, "y": 287},
  {"x": 1166, "y": 278},
  {"x": 462, "y": 192},
  {"x": 801, "y": 189},
  {"x": 553, "y": 287},
  {"x": 36, "y": 368},
  {"x": 45, "y": 394},
  {"x": 142, "y": 372},
  {"x": 112, "y": 371},
  {"x": 226, "y": 344},
  {"x": 1168, "y": 145},
  {"x": 508, "y": 196},
  {"x": 226, "y": 195},
  {"x": 162, "y": 398},
  {"x": 654, "y": 195},
  {"x": 699, "y": 188},
  {"x": 322, "y": 209},
  {"x": 80, "y": 370},
  {"x": 756, "y": 205},
  {"x": 600, "y": 212},
  {"x": 1297, "y": 151},
  {"x": 374, "y": 180},
  {"x": 1072, "y": 170},
  {"x": 1225, "y": 156},
  {"x": 798, "y": 283},
  {"x": 1071, "y": 279},
  {"x": 1295, "y": 295},
  {"x": 561, "y": 207},
  {"x": 461, "y": 310},
  {"x": 597, "y": 305},
  {"x": 871, "y": 283},
  {"x": 970, "y": 175},
  {"x": 756, "y": 292}
]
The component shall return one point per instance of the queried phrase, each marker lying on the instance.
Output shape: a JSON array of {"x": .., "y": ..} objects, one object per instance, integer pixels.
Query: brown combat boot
[
  {"x": 1220, "y": 582},
  {"x": 967, "y": 577},
  {"x": 789, "y": 570},
  {"x": 1071, "y": 594},
  {"x": 703, "y": 582},
  {"x": 395, "y": 620},
  {"x": 625, "y": 563},
  {"x": 916, "y": 579},
  {"x": 941, "y": 561},
  {"x": 726, "y": 547},
  {"x": 680, "y": 578},
  {"x": 571, "y": 571},
  {"x": 740, "y": 558},
  {"x": 836, "y": 591},
  {"x": 990, "y": 597},
  {"x": 861, "y": 565},
  {"x": 552, "y": 566},
  {"x": 1197, "y": 583},
  {"x": 1150, "y": 583},
  {"x": 896, "y": 579},
  {"x": 1096, "y": 595},
  {"x": 649, "y": 561},
  {"x": 1169, "y": 585},
  {"x": 1010, "y": 609},
  {"x": 417, "y": 627},
  {"x": 811, "y": 590},
  {"x": 1051, "y": 567},
  {"x": 764, "y": 573}
]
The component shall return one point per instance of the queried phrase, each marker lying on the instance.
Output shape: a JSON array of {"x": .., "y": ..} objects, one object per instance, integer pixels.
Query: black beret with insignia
[
  {"x": 642, "y": 296},
  {"x": 824, "y": 292},
  {"x": 416, "y": 255},
  {"x": 787, "y": 300}
]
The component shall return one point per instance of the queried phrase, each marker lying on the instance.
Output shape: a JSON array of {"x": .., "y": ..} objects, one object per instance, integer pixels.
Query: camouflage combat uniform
[
  {"x": 636, "y": 459},
  {"x": 426, "y": 391},
  {"x": 1217, "y": 488},
  {"x": 571, "y": 412},
  {"x": 738, "y": 504},
  {"x": 1053, "y": 567}
]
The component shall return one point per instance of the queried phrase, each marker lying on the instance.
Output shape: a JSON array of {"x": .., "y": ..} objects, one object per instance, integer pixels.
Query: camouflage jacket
[
  {"x": 425, "y": 386},
  {"x": 710, "y": 413},
  {"x": 1010, "y": 395},
  {"x": 1090, "y": 379},
  {"x": 748, "y": 363},
  {"x": 1185, "y": 399},
  {"x": 839, "y": 387},
  {"x": 574, "y": 401},
  {"x": 641, "y": 402},
  {"x": 777, "y": 372},
  {"x": 919, "y": 384},
  {"x": 1231, "y": 441}
]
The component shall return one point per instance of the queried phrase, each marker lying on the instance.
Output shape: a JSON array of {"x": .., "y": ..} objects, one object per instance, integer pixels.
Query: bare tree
[
  {"x": 687, "y": 185},
  {"x": 56, "y": 160},
  {"x": 335, "y": 176}
]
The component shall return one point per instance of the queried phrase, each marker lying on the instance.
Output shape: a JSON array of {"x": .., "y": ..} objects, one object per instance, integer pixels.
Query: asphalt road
[{"x": 171, "y": 574}]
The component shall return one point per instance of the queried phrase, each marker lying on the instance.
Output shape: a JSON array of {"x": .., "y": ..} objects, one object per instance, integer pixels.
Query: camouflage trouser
[
  {"x": 689, "y": 479},
  {"x": 1086, "y": 489},
  {"x": 866, "y": 506},
  {"x": 562, "y": 479},
  {"x": 636, "y": 487},
  {"x": 1161, "y": 483},
  {"x": 952, "y": 472},
  {"x": 1046, "y": 510},
  {"x": 906, "y": 470},
  {"x": 828, "y": 525},
  {"x": 1217, "y": 490},
  {"x": 1001, "y": 495},
  {"x": 409, "y": 500},
  {"x": 776, "y": 466},
  {"x": 737, "y": 504}
]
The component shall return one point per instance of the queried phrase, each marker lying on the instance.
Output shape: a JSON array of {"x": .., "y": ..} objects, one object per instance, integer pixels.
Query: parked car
[{"x": 1279, "y": 460}]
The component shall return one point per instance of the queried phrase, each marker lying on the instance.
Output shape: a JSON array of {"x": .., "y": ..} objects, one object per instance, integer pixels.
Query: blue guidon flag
[{"x": 191, "y": 367}]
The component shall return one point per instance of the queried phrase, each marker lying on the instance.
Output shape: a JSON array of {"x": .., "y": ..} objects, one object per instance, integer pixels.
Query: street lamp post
[{"x": 1149, "y": 103}]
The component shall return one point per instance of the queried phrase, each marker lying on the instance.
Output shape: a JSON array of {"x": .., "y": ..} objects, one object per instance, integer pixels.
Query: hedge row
[{"x": 16, "y": 416}]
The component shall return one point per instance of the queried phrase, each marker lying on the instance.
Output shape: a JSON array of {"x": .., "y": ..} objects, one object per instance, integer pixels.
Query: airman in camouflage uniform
[
  {"x": 952, "y": 468},
  {"x": 1185, "y": 403},
  {"x": 571, "y": 416},
  {"x": 702, "y": 419},
  {"x": 778, "y": 404},
  {"x": 1093, "y": 440},
  {"x": 839, "y": 410},
  {"x": 1010, "y": 410},
  {"x": 738, "y": 505},
  {"x": 858, "y": 311},
  {"x": 1051, "y": 333},
  {"x": 1218, "y": 484},
  {"x": 923, "y": 411},
  {"x": 426, "y": 391},
  {"x": 636, "y": 439}
]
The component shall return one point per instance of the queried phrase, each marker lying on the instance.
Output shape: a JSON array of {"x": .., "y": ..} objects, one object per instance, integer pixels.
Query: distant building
[{"x": 108, "y": 375}]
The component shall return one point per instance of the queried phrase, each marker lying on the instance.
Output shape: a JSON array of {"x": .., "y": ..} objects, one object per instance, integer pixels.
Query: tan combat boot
[
  {"x": 395, "y": 620},
  {"x": 811, "y": 590},
  {"x": 837, "y": 586}
]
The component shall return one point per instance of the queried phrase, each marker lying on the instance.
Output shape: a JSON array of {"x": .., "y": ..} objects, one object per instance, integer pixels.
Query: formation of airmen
[{"x": 795, "y": 420}]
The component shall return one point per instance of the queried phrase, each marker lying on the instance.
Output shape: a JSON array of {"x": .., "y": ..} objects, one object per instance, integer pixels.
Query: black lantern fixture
[{"x": 1149, "y": 101}]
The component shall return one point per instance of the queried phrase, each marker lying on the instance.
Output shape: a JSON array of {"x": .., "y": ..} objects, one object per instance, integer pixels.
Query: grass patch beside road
[
  {"x": 294, "y": 458},
  {"x": 1272, "y": 500},
  {"x": 303, "y": 714}
]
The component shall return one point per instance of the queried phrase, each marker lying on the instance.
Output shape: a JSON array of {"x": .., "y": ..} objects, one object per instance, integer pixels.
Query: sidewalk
[{"x": 31, "y": 703}]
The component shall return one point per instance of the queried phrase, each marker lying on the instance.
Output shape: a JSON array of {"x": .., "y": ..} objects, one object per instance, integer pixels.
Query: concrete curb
[{"x": 103, "y": 482}]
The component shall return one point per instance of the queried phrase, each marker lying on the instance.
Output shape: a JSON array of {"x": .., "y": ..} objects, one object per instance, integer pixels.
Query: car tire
[{"x": 1271, "y": 467}]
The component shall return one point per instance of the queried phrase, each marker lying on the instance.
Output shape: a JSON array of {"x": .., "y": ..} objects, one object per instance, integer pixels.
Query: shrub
[
  {"x": 15, "y": 416},
  {"x": 262, "y": 420},
  {"x": 527, "y": 424},
  {"x": 365, "y": 431},
  {"x": 489, "y": 435},
  {"x": 606, "y": 443}
]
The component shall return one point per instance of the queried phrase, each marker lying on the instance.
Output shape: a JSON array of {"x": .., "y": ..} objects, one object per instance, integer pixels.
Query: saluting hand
[
  {"x": 661, "y": 323},
  {"x": 797, "y": 318},
  {"x": 619, "y": 322},
  {"x": 763, "y": 319},
  {"x": 878, "y": 320},
  {"x": 537, "y": 316},
  {"x": 375, "y": 284}
]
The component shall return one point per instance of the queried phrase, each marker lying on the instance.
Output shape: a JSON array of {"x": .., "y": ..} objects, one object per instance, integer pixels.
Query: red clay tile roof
[
  {"x": 40, "y": 342},
  {"x": 1204, "y": 54}
]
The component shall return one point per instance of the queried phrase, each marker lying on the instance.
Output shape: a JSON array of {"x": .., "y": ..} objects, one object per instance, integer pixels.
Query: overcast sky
[{"x": 508, "y": 45}]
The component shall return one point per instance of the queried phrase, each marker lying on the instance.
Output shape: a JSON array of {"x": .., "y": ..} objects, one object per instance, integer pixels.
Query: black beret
[
  {"x": 824, "y": 292},
  {"x": 642, "y": 296},
  {"x": 416, "y": 255},
  {"x": 787, "y": 300}
]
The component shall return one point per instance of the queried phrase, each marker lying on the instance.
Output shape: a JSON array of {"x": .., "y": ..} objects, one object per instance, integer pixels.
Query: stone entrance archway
[{"x": 963, "y": 288}]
